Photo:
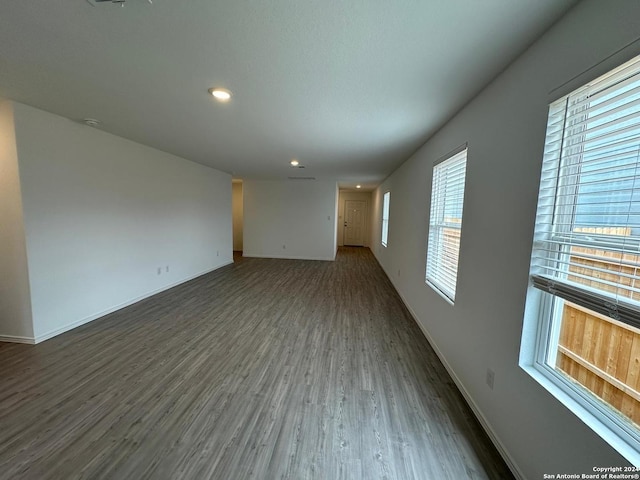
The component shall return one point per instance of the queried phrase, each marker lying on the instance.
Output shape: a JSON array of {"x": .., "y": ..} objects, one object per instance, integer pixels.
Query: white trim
[
  {"x": 282, "y": 257},
  {"x": 589, "y": 408},
  {"x": 587, "y": 144},
  {"x": 95, "y": 316},
  {"x": 436, "y": 289},
  {"x": 551, "y": 384},
  {"x": 17, "y": 339},
  {"x": 446, "y": 215},
  {"x": 452, "y": 153},
  {"x": 605, "y": 65},
  {"x": 486, "y": 426},
  {"x": 384, "y": 232}
]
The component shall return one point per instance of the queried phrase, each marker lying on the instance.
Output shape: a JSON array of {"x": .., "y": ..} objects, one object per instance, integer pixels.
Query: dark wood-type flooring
[{"x": 265, "y": 369}]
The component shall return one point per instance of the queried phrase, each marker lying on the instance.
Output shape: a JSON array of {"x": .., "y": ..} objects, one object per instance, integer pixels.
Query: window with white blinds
[
  {"x": 385, "y": 218},
  {"x": 445, "y": 223},
  {"x": 587, "y": 234},
  {"x": 584, "y": 295}
]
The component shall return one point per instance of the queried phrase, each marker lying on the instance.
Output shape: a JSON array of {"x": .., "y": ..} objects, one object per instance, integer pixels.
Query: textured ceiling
[{"x": 350, "y": 88}]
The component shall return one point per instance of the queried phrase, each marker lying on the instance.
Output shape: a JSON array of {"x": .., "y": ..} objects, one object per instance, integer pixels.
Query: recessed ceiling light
[
  {"x": 358, "y": 186},
  {"x": 294, "y": 163},
  {"x": 220, "y": 94}
]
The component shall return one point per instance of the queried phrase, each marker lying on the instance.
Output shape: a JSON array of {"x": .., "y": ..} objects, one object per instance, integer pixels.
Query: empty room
[{"x": 319, "y": 240}]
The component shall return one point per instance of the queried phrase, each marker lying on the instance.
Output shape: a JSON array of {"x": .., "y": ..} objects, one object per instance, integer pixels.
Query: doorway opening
[
  {"x": 353, "y": 218},
  {"x": 237, "y": 210}
]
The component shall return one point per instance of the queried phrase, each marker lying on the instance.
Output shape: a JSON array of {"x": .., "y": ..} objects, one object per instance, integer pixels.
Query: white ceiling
[{"x": 350, "y": 88}]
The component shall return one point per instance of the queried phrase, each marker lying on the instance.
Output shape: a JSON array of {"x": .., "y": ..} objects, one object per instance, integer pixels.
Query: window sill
[
  {"x": 439, "y": 292},
  {"x": 600, "y": 423}
]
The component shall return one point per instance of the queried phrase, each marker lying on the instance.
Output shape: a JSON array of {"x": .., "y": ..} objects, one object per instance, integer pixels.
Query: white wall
[
  {"x": 15, "y": 306},
  {"x": 299, "y": 215},
  {"x": 505, "y": 128},
  {"x": 236, "y": 206},
  {"x": 362, "y": 196},
  {"x": 102, "y": 214}
]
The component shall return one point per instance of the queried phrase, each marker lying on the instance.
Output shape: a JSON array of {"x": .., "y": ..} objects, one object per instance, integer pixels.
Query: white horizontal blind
[
  {"x": 385, "y": 218},
  {"x": 587, "y": 240},
  {"x": 445, "y": 223}
]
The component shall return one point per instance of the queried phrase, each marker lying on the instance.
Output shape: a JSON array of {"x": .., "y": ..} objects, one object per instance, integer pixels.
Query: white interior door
[{"x": 354, "y": 211}]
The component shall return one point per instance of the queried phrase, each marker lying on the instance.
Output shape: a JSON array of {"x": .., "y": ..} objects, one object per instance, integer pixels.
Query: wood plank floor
[{"x": 264, "y": 369}]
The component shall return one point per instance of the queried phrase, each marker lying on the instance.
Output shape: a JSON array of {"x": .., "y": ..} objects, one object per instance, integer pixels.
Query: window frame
[
  {"x": 539, "y": 327},
  {"x": 438, "y": 207},
  {"x": 384, "y": 233}
]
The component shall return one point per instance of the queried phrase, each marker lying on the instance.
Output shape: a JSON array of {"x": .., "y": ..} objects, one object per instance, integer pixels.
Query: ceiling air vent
[
  {"x": 116, "y": 2},
  {"x": 302, "y": 178},
  {"x": 91, "y": 122}
]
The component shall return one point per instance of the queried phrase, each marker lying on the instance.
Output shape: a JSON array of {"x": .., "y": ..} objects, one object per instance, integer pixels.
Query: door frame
[{"x": 366, "y": 197}]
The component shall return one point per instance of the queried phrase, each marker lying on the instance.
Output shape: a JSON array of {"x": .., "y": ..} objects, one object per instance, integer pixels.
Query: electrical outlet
[
  {"x": 159, "y": 270},
  {"x": 166, "y": 269},
  {"x": 217, "y": 253},
  {"x": 491, "y": 376}
]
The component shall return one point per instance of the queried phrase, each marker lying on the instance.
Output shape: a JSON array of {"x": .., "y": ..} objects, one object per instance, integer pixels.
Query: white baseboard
[
  {"x": 17, "y": 339},
  {"x": 288, "y": 257},
  {"x": 95, "y": 316},
  {"x": 504, "y": 453}
]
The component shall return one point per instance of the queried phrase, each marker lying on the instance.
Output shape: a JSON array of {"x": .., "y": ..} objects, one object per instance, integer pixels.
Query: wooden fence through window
[{"x": 596, "y": 351}]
